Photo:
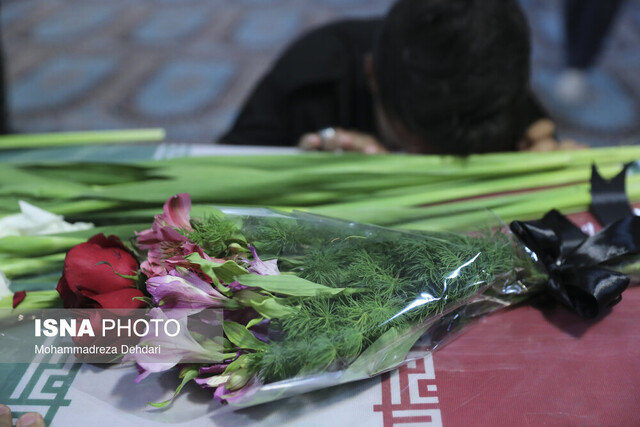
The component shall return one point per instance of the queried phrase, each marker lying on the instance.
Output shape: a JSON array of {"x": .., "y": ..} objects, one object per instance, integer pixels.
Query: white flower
[
  {"x": 4, "y": 286},
  {"x": 34, "y": 221}
]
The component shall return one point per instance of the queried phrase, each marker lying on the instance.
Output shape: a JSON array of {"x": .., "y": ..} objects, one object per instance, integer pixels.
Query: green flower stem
[
  {"x": 386, "y": 190},
  {"x": 9, "y": 206},
  {"x": 34, "y": 300},
  {"x": 27, "y": 246},
  {"x": 566, "y": 199},
  {"x": 431, "y": 194},
  {"x": 19, "y": 267},
  {"x": 83, "y": 206},
  {"x": 24, "y": 141},
  {"x": 124, "y": 231},
  {"x": 486, "y": 164}
]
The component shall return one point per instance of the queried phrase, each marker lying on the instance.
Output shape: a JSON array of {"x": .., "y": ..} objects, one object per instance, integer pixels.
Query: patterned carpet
[{"x": 186, "y": 65}]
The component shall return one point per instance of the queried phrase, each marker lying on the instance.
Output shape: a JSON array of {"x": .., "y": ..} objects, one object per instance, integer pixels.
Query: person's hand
[
  {"x": 30, "y": 419},
  {"x": 341, "y": 140},
  {"x": 540, "y": 137}
]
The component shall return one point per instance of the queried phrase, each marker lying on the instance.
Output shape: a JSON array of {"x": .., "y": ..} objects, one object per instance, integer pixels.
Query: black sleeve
[
  {"x": 278, "y": 109},
  {"x": 533, "y": 110},
  {"x": 262, "y": 119}
]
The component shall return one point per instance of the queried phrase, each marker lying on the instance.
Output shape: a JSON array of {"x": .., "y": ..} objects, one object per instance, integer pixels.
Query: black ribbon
[
  {"x": 609, "y": 201},
  {"x": 576, "y": 263}
]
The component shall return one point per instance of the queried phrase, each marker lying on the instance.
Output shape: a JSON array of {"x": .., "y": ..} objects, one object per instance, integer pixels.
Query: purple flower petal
[
  {"x": 263, "y": 268},
  {"x": 218, "y": 368},
  {"x": 220, "y": 391},
  {"x": 176, "y": 211},
  {"x": 174, "y": 349},
  {"x": 223, "y": 395},
  {"x": 242, "y": 316},
  {"x": 163, "y": 240},
  {"x": 261, "y": 330},
  {"x": 184, "y": 291},
  {"x": 235, "y": 286}
]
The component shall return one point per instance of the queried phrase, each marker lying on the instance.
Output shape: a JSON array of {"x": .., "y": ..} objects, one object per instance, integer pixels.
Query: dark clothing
[
  {"x": 318, "y": 82},
  {"x": 4, "y": 116},
  {"x": 587, "y": 23}
]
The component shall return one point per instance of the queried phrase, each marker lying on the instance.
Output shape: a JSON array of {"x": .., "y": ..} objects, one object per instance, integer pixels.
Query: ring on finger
[{"x": 327, "y": 134}]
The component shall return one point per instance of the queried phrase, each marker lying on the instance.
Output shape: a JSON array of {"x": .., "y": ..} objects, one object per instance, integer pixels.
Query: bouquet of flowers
[
  {"x": 307, "y": 297},
  {"x": 306, "y": 302}
]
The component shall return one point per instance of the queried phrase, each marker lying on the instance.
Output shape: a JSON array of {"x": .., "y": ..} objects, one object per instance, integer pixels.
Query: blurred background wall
[{"x": 186, "y": 65}]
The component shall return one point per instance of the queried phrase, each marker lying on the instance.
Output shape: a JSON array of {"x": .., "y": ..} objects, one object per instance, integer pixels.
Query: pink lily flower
[
  {"x": 221, "y": 393},
  {"x": 163, "y": 240},
  {"x": 263, "y": 268},
  {"x": 174, "y": 349},
  {"x": 175, "y": 213},
  {"x": 184, "y": 290}
]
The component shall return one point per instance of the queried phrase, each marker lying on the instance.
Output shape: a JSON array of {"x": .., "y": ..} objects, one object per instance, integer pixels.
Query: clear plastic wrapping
[{"x": 310, "y": 302}]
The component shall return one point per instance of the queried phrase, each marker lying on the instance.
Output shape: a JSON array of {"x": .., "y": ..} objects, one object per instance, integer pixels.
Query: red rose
[{"x": 84, "y": 284}]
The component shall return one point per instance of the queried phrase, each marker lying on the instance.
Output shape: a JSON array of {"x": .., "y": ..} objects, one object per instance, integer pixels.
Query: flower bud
[
  {"x": 235, "y": 248},
  {"x": 238, "y": 379}
]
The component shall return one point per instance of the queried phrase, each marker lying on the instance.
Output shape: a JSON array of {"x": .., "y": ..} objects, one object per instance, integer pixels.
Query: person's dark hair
[{"x": 454, "y": 72}]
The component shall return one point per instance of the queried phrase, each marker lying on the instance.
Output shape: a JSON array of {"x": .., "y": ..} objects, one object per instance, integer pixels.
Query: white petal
[
  {"x": 36, "y": 215},
  {"x": 35, "y": 221},
  {"x": 4, "y": 286},
  {"x": 217, "y": 380}
]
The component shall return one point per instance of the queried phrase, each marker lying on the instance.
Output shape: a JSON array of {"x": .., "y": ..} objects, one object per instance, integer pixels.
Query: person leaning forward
[{"x": 433, "y": 76}]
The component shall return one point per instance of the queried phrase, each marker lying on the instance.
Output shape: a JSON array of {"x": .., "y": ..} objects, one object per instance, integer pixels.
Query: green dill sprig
[
  {"x": 215, "y": 233},
  {"x": 395, "y": 279}
]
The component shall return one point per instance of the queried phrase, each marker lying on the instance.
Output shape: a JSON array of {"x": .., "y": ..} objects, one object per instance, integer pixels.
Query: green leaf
[
  {"x": 187, "y": 374},
  {"x": 254, "y": 322},
  {"x": 239, "y": 363},
  {"x": 286, "y": 284},
  {"x": 387, "y": 352},
  {"x": 214, "y": 347},
  {"x": 272, "y": 309},
  {"x": 267, "y": 306},
  {"x": 242, "y": 337},
  {"x": 224, "y": 271}
]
